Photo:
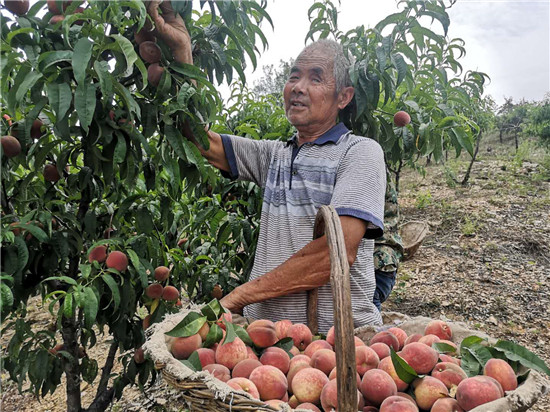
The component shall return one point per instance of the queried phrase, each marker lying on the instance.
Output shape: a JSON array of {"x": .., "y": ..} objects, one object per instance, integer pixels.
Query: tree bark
[
  {"x": 500, "y": 135},
  {"x": 516, "y": 138},
  {"x": 398, "y": 175},
  {"x": 71, "y": 366},
  {"x": 467, "y": 175}
]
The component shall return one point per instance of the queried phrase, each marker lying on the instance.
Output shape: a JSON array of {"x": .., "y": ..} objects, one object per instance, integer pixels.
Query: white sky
[{"x": 508, "y": 40}]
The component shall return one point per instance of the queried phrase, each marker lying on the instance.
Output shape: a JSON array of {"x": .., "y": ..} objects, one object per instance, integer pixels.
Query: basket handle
[{"x": 327, "y": 222}]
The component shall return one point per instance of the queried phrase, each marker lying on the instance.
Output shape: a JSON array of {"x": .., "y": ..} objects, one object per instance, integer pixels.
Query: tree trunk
[
  {"x": 71, "y": 366},
  {"x": 516, "y": 138},
  {"x": 104, "y": 396},
  {"x": 398, "y": 175},
  {"x": 429, "y": 159},
  {"x": 500, "y": 135},
  {"x": 467, "y": 175}
]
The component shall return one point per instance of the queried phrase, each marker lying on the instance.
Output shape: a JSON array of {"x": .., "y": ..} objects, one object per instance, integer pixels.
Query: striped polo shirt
[{"x": 338, "y": 169}]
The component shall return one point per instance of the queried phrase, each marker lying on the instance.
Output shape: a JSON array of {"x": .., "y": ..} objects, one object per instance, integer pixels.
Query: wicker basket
[{"x": 412, "y": 233}]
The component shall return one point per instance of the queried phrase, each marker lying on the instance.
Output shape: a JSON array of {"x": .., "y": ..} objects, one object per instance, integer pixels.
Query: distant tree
[{"x": 273, "y": 80}]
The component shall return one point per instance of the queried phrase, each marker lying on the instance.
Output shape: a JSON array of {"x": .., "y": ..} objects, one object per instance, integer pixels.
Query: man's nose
[{"x": 298, "y": 87}]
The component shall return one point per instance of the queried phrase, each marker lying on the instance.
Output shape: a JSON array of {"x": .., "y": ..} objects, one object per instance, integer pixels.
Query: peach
[
  {"x": 270, "y": 381},
  {"x": 502, "y": 372},
  {"x": 477, "y": 390},
  {"x": 301, "y": 358},
  {"x": 301, "y": 335},
  {"x": 282, "y": 326},
  {"x": 406, "y": 396},
  {"x": 448, "y": 342},
  {"x": 243, "y": 384},
  {"x": 398, "y": 404},
  {"x": 316, "y": 345},
  {"x": 36, "y": 129},
  {"x": 330, "y": 336},
  {"x": 244, "y": 368},
  {"x": 358, "y": 342},
  {"x": 293, "y": 402},
  {"x": 365, "y": 359},
  {"x": 294, "y": 369},
  {"x": 219, "y": 371},
  {"x": 139, "y": 355},
  {"x": 230, "y": 353},
  {"x": 10, "y": 146},
  {"x": 161, "y": 273},
  {"x": 446, "y": 358},
  {"x": 401, "y": 118},
  {"x": 308, "y": 405},
  {"x": 386, "y": 337},
  {"x": 329, "y": 397},
  {"x": 333, "y": 375},
  {"x": 420, "y": 357},
  {"x": 324, "y": 360},
  {"x": 117, "y": 260},
  {"x": 308, "y": 384},
  {"x": 170, "y": 293},
  {"x": 146, "y": 322},
  {"x": 294, "y": 351},
  {"x": 276, "y": 403},
  {"x": 98, "y": 253},
  {"x": 183, "y": 347},
  {"x": 18, "y": 7},
  {"x": 203, "y": 331},
  {"x": 154, "y": 74},
  {"x": 412, "y": 338},
  {"x": 277, "y": 357},
  {"x": 262, "y": 333},
  {"x": 226, "y": 316},
  {"x": 400, "y": 334},
  {"x": 429, "y": 339},
  {"x": 376, "y": 386},
  {"x": 386, "y": 365},
  {"x": 150, "y": 52},
  {"x": 381, "y": 349},
  {"x": 206, "y": 356},
  {"x": 446, "y": 405},
  {"x": 51, "y": 173},
  {"x": 427, "y": 390},
  {"x": 251, "y": 353},
  {"x": 154, "y": 291},
  {"x": 369, "y": 409},
  {"x": 449, "y": 373},
  {"x": 439, "y": 328}
]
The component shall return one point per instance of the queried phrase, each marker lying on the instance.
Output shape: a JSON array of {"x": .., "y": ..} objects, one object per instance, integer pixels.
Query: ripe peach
[
  {"x": 270, "y": 381},
  {"x": 276, "y": 403},
  {"x": 331, "y": 336},
  {"x": 277, "y": 357},
  {"x": 182, "y": 348},
  {"x": 154, "y": 291},
  {"x": 146, "y": 322},
  {"x": 439, "y": 328},
  {"x": 206, "y": 356},
  {"x": 162, "y": 273},
  {"x": 446, "y": 358},
  {"x": 386, "y": 365},
  {"x": 427, "y": 390},
  {"x": 477, "y": 390},
  {"x": 420, "y": 357},
  {"x": 294, "y": 351},
  {"x": 262, "y": 333},
  {"x": 446, "y": 405},
  {"x": 98, "y": 253},
  {"x": 244, "y": 368},
  {"x": 244, "y": 384},
  {"x": 386, "y": 337},
  {"x": 231, "y": 353},
  {"x": 154, "y": 74},
  {"x": 398, "y": 404},
  {"x": 301, "y": 335},
  {"x": 400, "y": 334},
  {"x": 502, "y": 372},
  {"x": 203, "y": 331},
  {"x": 406, "y": 396},
  {"x": 251, "y": 353},
  {"x": 54, "y": 9},
  {"x": 329, "y": 397},
  {"x": 226, "y": 316},
  {"x": 219, "y": 371},
  {"x": 293, "y": 402},
  {"x": 365, "y": 359},
  {"x": 324, "y": 360},
  {"x": 376, "y": 386},
  {"x": 415, "y": 337},
  {"x": 429, "y": 339},
  {"x": 369, "y": 409},
  {"x": 316, "y": 345},
  {"x": 139, "y": 355},
  {"x": 36, "y": 129},
  {"x": 19, "y": 7},
  {"x": 401, "y": 119},
  {"x": 150, "y": 52},
  {"x": 308, "y": 405},
  {"x": 381, "y": 349},
  {"x": 281, "y": 326},
  {"x": 301, "y": 358},
  {"x": 449, "y": 373},
  {"x": 333, "y": 375},
  {"x": 294, "y": 369},
  {"x": 117, "y": 260},
  {"x": 170, "y": 293},
  {"x": 308, "y": 384},
  {"x": 217, "y": 292},
  {"x": 50, "y": 173},
  {"x": 358, "y": 342},
  {"x": 10, "y": 146}
]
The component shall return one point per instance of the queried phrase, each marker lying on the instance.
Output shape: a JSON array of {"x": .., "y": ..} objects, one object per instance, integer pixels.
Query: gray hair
[{"x": 341, "y": 64}]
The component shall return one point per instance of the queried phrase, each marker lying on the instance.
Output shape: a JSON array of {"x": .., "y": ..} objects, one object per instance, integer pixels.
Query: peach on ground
[
  {"x": 183, "y": 347},
  {"x": 477, "y": 390},
  {"x": 244, "y": 384},
  {"x": 281, "y": 327},
  {"x": 446, "y": 405},
  {"x": 329, "y": 397},
  {"x": 412, "y": 338},
  {"x": 324, "y": 360},
  {"x": 446, "y": 358},
  {"x": 427, "y": 390},
  {"x": 397, "y": 403},
  {"x": 386, "y": 365},
  {"x": 386, "y": 337},
  {"x": 206, "y": 356},
  {"x": 422, "y": 358},
  {"x": 333, "y": 375},
  {"x": 262, "y": 333},
  {"x": 244, "y": 368},
  {"x": 376, "y": 386},
  {"x": 251, "y": 353},
  {"x": 449, "y": 373},
  {"x": 294, "y": 369},
  {"x": 400, "y": 334},
  {"x": 439, "y": 328},
  {"x": 316, "y": 345},
  {"x": 300, "y": 358},
  {"x": 277, "y": 357},
  {"x": 500, "y": 370},
  {"x": 308, "y": 384},
  {"x": 203, "y": 331},
  {"x": 229, "y": 354},
  {"x": 365, "y": 359},
  {"x": 429, "y": 339},
  {"x": 219, "y": 371},
  {"x": 308, "y": 405},
  {"x": 406, "y": 396},
  {"x": 270, "y": 381},
  {"x": 301, "y": 335},
  {"x": 381, "y": 349}
]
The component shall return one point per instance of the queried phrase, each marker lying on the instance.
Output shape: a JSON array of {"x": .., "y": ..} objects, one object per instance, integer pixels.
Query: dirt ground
[{"x": 485, "y": 261}]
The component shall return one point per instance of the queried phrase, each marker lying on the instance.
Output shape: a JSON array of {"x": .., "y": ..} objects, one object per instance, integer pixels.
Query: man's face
[{"x": 311, "y": 104}]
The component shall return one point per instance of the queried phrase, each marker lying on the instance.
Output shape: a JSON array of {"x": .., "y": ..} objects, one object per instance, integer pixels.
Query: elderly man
[{"x": 323, "y": 164}]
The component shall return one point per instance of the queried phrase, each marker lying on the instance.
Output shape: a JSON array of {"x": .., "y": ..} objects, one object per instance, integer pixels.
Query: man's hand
[
  {"x": 231, "y": 303},
  {"x": 171, "y": 29}
]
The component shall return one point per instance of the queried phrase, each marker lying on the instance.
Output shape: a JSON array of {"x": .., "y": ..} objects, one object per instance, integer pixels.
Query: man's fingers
[{"x": 153, "y": 10}]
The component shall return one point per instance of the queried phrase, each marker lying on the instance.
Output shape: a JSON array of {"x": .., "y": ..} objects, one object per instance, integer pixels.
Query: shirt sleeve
[
  {"x": 248, "y": 159},
  {"x": 361, "y": 184}
]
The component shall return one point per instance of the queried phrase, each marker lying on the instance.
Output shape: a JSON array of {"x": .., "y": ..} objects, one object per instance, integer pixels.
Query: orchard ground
[{"x": 486, "y": 262}]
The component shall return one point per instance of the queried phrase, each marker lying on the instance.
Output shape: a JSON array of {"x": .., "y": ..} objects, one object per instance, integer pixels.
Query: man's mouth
[{"x": 297, "y": 104}]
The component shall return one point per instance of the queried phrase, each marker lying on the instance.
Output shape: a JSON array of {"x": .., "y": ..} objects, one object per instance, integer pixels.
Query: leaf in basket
[
  {"x": 195, "y": 361},
  {"x": 523, "y": 355},
  {"x": 402, "y": 368},
  {"x": 212, "y": 310},
  {"x": 243, "y": 334},
  {"x": 215, "y": 334},
  {"x": 469, "y": 363},
  {"x": 480, "y": 352},
  {"x": 188, "y": 364},
  {"x": 285, "y": 343},
  {"x": 189, "y": 325},
  {"x": 230, "y": 334},
  {"x": 443, "y": 347},
  {"x": 470, "y": 340},
  {"x": 523, "y": 376}
]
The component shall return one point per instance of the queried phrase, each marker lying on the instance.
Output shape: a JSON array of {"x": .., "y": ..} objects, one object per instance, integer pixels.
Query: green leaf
[
  {"x": 470, "y": 364},
  {"x": 285, "y": 343},
  {"x": 194, "y": 360},
  {"x": 119, "y": 155},
  {"x": 230, "y": 334},
  {"x": 127, "y": 48},
  {"x": 6, "y": 298},
  {"x": 215, "y": 334},
  {"x": 469, "y": 341},
  {"x": 189, "y": 325},
  {"x": 443, "y": 347},
  {"x": 113, "y": 286},
  {"x": 243, "y": 335},
  {"x": 84, "y": 103},
  {"x": 516, "y": 352},
  {"x": 22, "y": 253},
  {"x": 139, "y": 267},
  {"x": 480, "y": 352},
  {"x": 60, "y": 97},
  {"x": 174, "y": 137},
  {"x": 68, "y": 308},
  {"x": 49, "y": 58},
  {"x": 27, "y": 84},
  {"x": 66, "y": 279},
  {"x": 91, "y": 307},
  {"x": 105, "y": 80},
  {"x": 36, "y": 231},
  {"x": 212, "y": 310},
  {"x": 129, "y": 100},
  {"x": 402, "y": 368},
  {"x": 81, "y": 58}
]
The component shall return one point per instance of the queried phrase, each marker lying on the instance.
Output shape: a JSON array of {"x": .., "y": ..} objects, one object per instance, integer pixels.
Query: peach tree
[{"x": 99, "y": 188}]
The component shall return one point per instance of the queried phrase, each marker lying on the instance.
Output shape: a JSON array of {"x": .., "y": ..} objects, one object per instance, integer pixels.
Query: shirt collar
[{"x": 330, "y": 136}]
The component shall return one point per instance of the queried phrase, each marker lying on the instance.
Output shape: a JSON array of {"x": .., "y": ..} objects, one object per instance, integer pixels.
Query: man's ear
[{"x": 345, "y": 96}]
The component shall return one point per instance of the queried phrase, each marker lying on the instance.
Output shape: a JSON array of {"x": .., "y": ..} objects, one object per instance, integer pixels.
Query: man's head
[{"x": 318, "y": 87}]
